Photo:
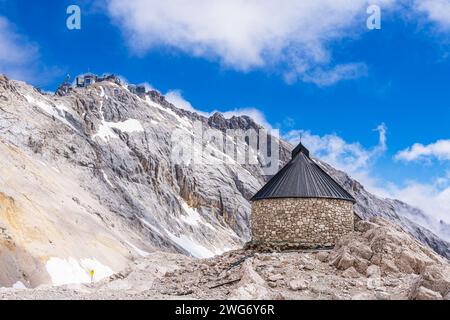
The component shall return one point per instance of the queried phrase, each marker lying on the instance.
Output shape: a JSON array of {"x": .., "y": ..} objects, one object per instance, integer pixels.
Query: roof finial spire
[{"x": 300, "y": 149}]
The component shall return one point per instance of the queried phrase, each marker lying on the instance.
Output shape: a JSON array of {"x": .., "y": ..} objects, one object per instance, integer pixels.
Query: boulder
[
  {"x": 361, "y": 265},
  {"x": 298, "y": 284},
  {"x": 406, "y": 262},
  {"x": 364, "y": 225},
  {"x": 388, "y": 267},
  {"x": 308, "y": 266},
  {"x": 351, "y": 273},
  {"x": 250, "y": 291},
  {"x": 322, "y": 256},
  {"x": 382, "y": 295},
  {"x": 275, "y": 277},
  {"x": 373, "y": 271},
  {"x": 361, "y": 250},
  {"x": 410, "y": 261},
  {"x": 423, "y": 293},
  {"x": 249, "y": 275},
  {"x": 436, "y": 278},
  {"x": 374, "y": 283},
  {"x": 343, "y": 260},
  {"x": 251, "y": 286},
  {"x": 306, "y": 263}
]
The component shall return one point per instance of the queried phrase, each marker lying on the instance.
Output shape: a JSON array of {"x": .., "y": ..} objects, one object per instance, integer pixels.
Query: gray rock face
[
  {"x": 423, "y": 293},
  {"x": 369, "y": 205},
  {"x": 119, "y": 145},
  {"x": 92, "y": 169}
]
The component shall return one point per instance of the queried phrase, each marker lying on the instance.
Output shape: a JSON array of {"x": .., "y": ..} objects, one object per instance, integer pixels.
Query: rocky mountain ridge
[{"x": 88, "y": 180}]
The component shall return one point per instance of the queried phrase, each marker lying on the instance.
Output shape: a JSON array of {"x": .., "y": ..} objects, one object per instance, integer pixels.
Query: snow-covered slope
[{"x": 88, "y": 180}]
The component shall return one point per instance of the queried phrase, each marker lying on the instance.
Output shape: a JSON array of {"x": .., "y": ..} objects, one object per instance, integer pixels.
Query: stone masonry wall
[{"x": 298, "y": 222}]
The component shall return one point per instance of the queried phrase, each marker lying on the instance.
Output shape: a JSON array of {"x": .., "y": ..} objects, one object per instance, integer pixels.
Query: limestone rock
[
  {"x": 383, "y": 249},
  {"x": 351, "y": 273},
  {"x": 364, "y": 225},
  {"x": 381, "y": 295},
  {"x": 373, "y": 271},
  {"x": 423, "y": 293},
  {"x": 322, "y": 256},
  {"x": 374, "y": 283},
  {"x": 344, "y": 260},
  {"x": 276, "y": 277},
  {"x": 298, "y": 284},
  {"x": 361, "y": 265},
  {"x": 361, "y": 250},
  {"x": 309, "y": 266},
  {"x": 250, "y": 291},
  {"x": 436, "y": 278},
  {"x": 241, "y": 274},
  {"x": 251, "y": 286},
  {"x": 388, "y": 266},
  {"x": 364, "y": 296}
]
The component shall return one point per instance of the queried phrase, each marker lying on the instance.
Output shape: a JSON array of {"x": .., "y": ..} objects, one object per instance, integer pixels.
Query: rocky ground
[{"x": 378, "y": 261}]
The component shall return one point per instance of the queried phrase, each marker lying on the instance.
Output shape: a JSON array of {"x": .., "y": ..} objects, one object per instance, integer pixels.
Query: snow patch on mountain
[
  {"x": 191, "y": 246},
  {"x": 71, "y": 271},
  {"x": 57, "y": 111},
  {"x": 105, "y": 176},
  {"x": 106, "y": 132}
]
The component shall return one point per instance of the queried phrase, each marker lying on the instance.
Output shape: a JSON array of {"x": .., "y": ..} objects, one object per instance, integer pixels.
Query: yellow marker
[{"x": 92, "y": 272}]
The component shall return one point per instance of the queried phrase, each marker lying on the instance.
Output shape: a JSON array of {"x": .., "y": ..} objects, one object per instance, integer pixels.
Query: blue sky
[{"x": 304, "y": 67}]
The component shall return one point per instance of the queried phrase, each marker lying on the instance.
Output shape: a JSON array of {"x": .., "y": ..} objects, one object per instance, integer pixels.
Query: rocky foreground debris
[{"x": 377, "y": 261}]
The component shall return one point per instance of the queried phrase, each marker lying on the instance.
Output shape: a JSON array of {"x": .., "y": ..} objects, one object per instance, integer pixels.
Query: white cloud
[
  {"x": 16, "y": 53},
  {"x": 176, "y": 98},
  {"x": 19, "y": 57},
  {"x": 352, "y": 158},
  {"x": 323, "y": 77},
  {"x": 432, "y": 198},
  {"x": 295, "y": 35},
  {"x": 439, "y": 150},
  {"x": 148, "y": 86},
  {"x": 437, "y": 11}
]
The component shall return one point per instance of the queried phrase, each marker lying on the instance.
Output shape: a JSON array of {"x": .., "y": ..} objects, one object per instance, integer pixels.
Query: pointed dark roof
[{"x": 302, "y": 178}]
